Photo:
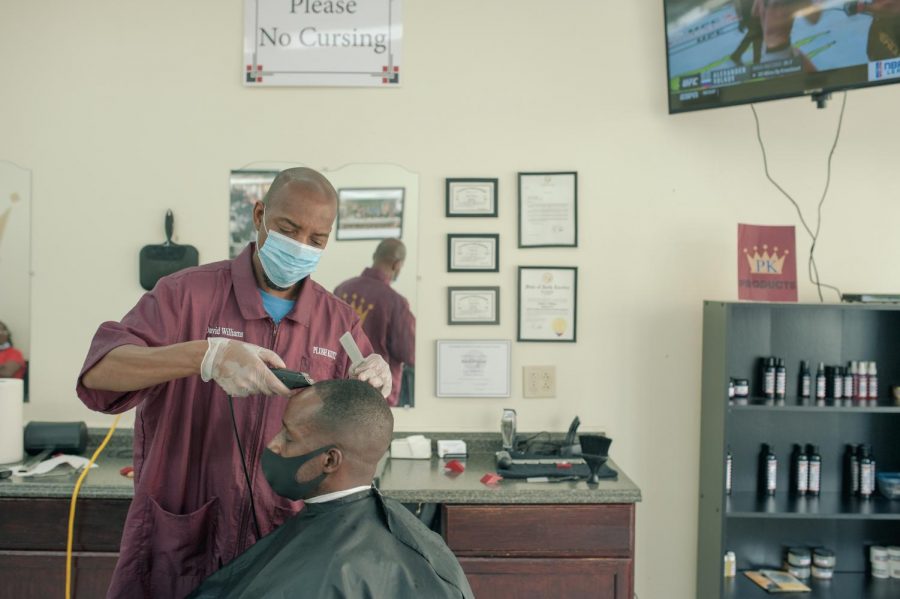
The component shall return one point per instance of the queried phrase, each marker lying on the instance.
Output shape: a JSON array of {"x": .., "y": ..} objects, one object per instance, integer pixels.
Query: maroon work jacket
[
  {"x": 387, "y": 320},
  {"x": 191, "y": 511}
]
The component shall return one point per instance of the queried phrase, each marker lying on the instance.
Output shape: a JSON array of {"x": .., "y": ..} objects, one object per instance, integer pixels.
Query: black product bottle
[
  {"x": 820, "y": 383},
  {"x": 729, "y": 466},
  {"x": 805, "y": 380},
  {"x": 815, "y": 469},
  {"x": 866, "y": 472},
  {"x": 851, "y": 470},
  {"x": 799, "y": 471},
  {"x": 769, "y": 378},
  {"x": 768, "y": 470},
  {"x": 780, "y": 379},
  {"x": 837, "y": 384}
]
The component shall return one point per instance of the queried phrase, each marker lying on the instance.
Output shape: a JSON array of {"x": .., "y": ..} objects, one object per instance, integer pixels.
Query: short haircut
[
  {"x": 389, "y": 251},
  {"x": 308, "y": 178},
  {"x": 354, "y": 410}
]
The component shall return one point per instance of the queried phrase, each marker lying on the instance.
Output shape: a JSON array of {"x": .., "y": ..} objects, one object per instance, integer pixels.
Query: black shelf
[
  {"x": 757, "y": 405},
  {"x": 827, "y": 505},
  {"x": 844, "y": 585},
  {"x": 736, "y": 336}
]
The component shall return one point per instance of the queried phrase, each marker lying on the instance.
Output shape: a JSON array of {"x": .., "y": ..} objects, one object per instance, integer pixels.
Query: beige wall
[{"x": 123, "y": 109}]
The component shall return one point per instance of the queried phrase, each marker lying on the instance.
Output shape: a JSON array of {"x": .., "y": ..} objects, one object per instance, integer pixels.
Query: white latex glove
[
  {"x": 375, "y": 371},
  {"x": 242, "y": 369}
]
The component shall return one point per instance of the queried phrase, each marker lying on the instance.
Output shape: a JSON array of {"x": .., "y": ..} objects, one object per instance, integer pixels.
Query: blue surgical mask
[{"x": 285, "y": 260}]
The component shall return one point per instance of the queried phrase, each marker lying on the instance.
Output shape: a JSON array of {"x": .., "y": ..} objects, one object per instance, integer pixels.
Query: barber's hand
[
  {"x": 375, "y": 371},
  {"x": 242, "y": 369}
]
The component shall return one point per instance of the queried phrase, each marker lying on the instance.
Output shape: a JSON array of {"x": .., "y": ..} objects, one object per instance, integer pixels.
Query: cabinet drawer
[
  {"x": 540, "y": 530},
  {"x": 517, "y": 578},
  {"x": 36, "y": 575},
  {"x": 41, "y": 524}
]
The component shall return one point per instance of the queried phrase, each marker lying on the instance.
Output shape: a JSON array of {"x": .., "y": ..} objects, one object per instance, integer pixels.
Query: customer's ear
[{"x": 334, "y": 457}]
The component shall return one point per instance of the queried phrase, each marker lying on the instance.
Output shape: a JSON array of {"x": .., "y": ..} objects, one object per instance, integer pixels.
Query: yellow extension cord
[{"x": 75, "y": 498}]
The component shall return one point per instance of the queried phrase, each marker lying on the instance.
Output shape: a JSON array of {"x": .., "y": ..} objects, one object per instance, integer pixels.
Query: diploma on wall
[
  {"x": 548, "y": 210},
  {"x": 473, "y": 368},
  {"x": 547, "y": 303}
]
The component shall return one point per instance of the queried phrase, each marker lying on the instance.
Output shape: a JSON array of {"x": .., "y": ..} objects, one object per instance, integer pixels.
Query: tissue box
[
  {"x": 415, "y": 447},
  {"x": 452, "y": 447}
]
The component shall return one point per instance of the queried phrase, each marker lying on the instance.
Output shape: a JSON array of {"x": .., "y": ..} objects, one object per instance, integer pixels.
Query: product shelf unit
[{"x": 735, "y": 337}]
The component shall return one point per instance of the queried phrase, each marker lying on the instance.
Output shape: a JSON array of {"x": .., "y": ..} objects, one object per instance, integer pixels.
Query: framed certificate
[
  {"x": 473, "y": 305},
  {"x": 548, "y": 303},
  {"x": 471, "y": 197},
  {"x": 473, "y": 253},
  {"x": 548, "y": 210},
  {"x": 473, "y": 368}
]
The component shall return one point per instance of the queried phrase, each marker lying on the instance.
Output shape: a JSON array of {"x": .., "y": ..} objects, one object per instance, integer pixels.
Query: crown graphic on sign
[
  {"x": 765, "y": 262},
  {"x": 359, "y": 306}
]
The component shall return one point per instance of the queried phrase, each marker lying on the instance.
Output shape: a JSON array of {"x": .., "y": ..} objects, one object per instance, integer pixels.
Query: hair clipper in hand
[{"x": 292, "y": 379}]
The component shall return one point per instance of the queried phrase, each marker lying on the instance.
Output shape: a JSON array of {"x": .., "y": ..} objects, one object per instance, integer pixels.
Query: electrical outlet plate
[{"x": 539, "y": 381}]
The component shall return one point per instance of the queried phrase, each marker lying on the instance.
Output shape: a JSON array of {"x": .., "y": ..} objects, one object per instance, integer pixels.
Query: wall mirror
[{"x": 15, "y": 264}]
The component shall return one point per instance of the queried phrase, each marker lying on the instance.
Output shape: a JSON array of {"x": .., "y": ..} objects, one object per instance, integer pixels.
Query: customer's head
[
  {"x": 5, "y": 335},
  {"x": 336, "y": 432}
]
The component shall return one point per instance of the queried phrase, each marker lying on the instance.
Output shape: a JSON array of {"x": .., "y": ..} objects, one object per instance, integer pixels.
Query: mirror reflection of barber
[
  {"x": 200, "y": 334},
  {"x": 385, "y": 314}
]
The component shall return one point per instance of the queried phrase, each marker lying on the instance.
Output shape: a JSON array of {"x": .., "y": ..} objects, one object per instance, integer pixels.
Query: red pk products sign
[{"x": 767, "y": 263}]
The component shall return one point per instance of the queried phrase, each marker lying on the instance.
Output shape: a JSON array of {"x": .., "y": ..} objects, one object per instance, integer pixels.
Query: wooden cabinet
[
  {"x": 515, "y": 551},
  {"x": 522, "y": 551},
  {"x": 33, "y": 545}
]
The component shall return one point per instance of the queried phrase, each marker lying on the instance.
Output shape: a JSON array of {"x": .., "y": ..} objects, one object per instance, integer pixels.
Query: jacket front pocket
[{"x": 181, "y": 548}]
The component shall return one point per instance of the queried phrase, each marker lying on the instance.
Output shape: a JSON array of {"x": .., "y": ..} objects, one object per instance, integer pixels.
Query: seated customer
[
  {"x": 12, "y": 363},
  {"x": 348, "y": 541}
]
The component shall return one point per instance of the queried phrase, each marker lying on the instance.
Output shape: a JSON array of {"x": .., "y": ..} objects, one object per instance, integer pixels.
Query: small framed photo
[
  {"x": 471, "y": 197},
  {"x": 548, "y": 210},
  {"x": 473, "y": 368},
  {"x": 374, "y": 213},
  {"x": 473, "y": 252},
  {"x": 548, "y": 303},
  {"x": 473, "y": 305}
]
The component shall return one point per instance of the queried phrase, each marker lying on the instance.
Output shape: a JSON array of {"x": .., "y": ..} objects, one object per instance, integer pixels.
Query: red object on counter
[
  {"x": 455, "y": 466},
  {"x": 127, "y": 471},
  {"x": 491, "y": 479}
]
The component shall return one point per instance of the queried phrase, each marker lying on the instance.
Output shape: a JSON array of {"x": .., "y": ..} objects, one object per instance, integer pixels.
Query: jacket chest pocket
[{"x": 321, "y": 368}]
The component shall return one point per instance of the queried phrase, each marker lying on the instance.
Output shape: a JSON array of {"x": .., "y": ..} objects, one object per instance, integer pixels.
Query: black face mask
[{"x": 280, "y": 473}]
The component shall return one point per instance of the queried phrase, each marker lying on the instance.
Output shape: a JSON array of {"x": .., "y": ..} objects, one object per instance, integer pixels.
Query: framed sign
[
  {"x": 247, "y": 188},
  {"x": 471, "y": 197},
  {"x": 548, "y": 307},
  {"x": 548, "y": 210},
  {"x": 473, "y": 253},
  {"x": 322, "y": 42},
  {"x": 375, "y": 213},
  {"x": 473, "y": 305},
  {"x": 473, "y": 368}
]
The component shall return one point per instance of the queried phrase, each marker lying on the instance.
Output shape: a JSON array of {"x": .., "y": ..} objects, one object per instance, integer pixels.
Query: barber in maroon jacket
[{"x": 201, "y": 334}]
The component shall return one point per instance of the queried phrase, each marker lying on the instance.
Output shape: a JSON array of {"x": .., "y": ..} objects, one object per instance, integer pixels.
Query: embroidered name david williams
[
  {"x": 328, "y": 353},
  {"x": 224, "y": 331}
]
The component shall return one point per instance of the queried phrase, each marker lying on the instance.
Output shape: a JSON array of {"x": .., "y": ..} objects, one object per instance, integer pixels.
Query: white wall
[{"x": 124, "y": 109}]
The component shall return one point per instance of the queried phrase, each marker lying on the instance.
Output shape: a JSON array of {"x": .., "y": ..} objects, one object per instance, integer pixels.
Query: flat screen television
[{"x": 727, "y": 52}]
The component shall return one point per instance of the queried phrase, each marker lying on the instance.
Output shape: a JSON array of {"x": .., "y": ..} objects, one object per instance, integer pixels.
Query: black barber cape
[{"x": 360, "y": 546}]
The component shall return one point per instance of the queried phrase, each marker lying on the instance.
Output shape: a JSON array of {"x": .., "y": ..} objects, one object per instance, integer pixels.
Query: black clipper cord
[
  {"x": 244, "y": 465},
  {"x": 291, "y": 379}
]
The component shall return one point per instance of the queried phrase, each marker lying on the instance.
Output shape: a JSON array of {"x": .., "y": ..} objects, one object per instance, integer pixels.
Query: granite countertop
[{"x": 408, "y": 481}]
